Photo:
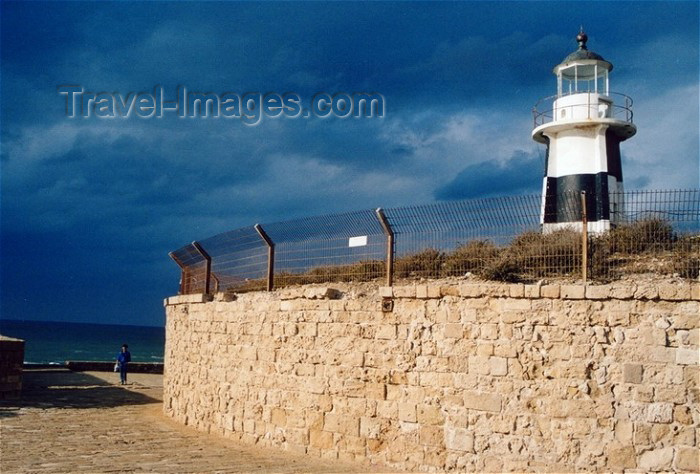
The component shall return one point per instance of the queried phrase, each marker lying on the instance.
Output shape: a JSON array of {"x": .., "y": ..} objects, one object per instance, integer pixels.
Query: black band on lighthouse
[{"x": 563, "y": 202}]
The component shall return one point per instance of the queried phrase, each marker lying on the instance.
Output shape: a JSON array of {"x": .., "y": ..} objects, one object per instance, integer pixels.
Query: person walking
[{"x": 123, "y": 359}]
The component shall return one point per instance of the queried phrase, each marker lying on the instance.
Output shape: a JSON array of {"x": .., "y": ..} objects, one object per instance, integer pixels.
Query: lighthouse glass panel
[{"x": 579, "y": 78}]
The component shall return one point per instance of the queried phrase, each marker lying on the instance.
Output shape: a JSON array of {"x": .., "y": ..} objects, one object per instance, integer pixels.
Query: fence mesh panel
[
  {"x": 650, "y": 232},
  {"x": 193, "y": 269},
  {"x": 239, "y": 259},
  {"x": 337, "y": 247}
]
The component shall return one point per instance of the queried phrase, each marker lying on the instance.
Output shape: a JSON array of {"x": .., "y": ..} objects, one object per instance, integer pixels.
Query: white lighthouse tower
[{"x": 582, "y": 126}]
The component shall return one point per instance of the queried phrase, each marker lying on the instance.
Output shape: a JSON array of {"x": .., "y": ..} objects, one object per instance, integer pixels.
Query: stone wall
[
  {"x": 11, "y": 362},
  {"x": 470, "y": 376}
]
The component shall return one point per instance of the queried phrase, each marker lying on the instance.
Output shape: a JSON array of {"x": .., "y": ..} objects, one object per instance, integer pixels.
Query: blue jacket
[{"x": 124, "y": 357}]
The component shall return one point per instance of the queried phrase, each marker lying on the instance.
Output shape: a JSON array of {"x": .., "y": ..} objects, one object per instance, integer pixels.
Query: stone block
[
  {"x": 375, "y": 391},
  {"x": 682, "y": 415},
  {"x": 429, "y": 415},
  {"x": 497, "y": 290},
  {"x": 449, "y": 290},
  {"x": 695, "y": 291},
  {"x": 432, "y": 436},
  {"x": 483, "y": 401},
  {"x": 689, "y": 320},
  {"x": 687, "y": 356},
  {"x": 434, "y": 291},
  {"x": 622, "y": 457},
  {"x": 632, "y": 373},
  {"x": 386, "y": 331},
  {"x": 322, "y": 293},
  {"x": 532, "y": 291},
  {"x": 405, "y": 291},
  {"x": 618, "y": 318},
  {"x": 583, "y": 408},
  {"x": 459, "y": 439},
  {"x": 370, "y": 427},
  {"x": 646, "y": 291},
  {"x": 341, "y": 424},
  {"x": 573, "y": 292},
  {"x": 622, "y": 291},
  {"x": 507, "y": 350},
  {"x": 519, "y": 305},
  {"x": 670, "y": 393},
  {"x": 386, "y": 292},
  {"x": 471, "y": 290},
  {"x": 488, "y": 331},
  {"x": 661, "y": 354},
  {"x": 321, "y": 439},
  {"x": 484, "y": 349},
  {"x": 517, "y": 290},
  {"x": 498, "y": 366},
  {"x": 660, "y": 413},
  {"x": 278, "y": 417},
  {"x": 597, "y": 292},
  {"x": 550, "y": 291},
  {"x": 623, "y": 431},
  {"x": 454, "y": 330},
  {"x": 656, "y": 459},
  {"x": 687, "y": 459},
  {"x": 298, "y": 436},
  {"x": 674, "y": 291},
  {"x": 422, "y": 291},
  {"x": 407, "y": 412}
]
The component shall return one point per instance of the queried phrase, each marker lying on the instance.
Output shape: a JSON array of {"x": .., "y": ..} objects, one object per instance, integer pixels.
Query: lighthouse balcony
[
  {"x": 565, "y": 110},
  {"x": 583, "y": 105}
]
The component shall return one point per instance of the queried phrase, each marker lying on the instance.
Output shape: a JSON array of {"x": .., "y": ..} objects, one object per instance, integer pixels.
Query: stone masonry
[{"x": 458, "y": 376}]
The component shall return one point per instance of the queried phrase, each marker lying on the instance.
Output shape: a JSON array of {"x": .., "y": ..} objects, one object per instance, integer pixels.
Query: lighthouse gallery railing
[{"x": 544, "y": 110}]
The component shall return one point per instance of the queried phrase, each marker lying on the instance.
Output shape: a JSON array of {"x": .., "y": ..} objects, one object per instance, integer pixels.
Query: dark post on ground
[{"x": 11, "y": 361}]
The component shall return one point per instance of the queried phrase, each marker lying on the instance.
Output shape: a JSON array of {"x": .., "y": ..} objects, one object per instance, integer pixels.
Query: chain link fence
[{"x": 650, "y": 232}]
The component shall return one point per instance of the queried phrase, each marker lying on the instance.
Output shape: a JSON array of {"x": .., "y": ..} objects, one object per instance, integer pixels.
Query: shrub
[
  {"x": 650, "y": 235},
  {"x": 502, "y": 269},
  {"x": 426, "y": 263},
  {"x": 470, "y": 257},
  {"x": 539, "y": 255},
  {"x": 360, "y": 271},
  {"x": 686, "y": 256}
]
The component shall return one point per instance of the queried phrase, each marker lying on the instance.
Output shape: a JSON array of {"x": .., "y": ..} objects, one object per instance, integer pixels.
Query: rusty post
[
  {"x": 207, "y": 268},
  {"x": 182, "y": 272},
  {"x": 217, "y": 283},
  {"x": 584, "y": 238},
  {"x": 389, "y": 246},
  {"x": 181, "y": 291},
  {"x": 270, "y": 256}
]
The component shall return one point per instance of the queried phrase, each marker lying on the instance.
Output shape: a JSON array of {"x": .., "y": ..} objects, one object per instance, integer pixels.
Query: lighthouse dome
[
  {"x": 583, "y": 54},
  {"x": 588, "y": 64}
]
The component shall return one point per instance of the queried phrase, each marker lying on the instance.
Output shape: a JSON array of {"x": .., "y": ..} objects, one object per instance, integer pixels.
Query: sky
[{"x": 91, "y": 206}]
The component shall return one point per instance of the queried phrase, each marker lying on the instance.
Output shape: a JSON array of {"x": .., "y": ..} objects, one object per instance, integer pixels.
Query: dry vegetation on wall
[{"x": 649, "y": 246}]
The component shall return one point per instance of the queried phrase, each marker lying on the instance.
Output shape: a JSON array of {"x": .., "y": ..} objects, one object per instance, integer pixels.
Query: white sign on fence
[{"x": 358, "y": 241}]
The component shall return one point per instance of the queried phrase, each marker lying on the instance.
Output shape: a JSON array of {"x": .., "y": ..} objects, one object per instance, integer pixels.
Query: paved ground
[{"x": 86, "y": 422}]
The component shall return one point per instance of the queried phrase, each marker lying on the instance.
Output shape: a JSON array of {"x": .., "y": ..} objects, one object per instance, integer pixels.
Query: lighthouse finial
[{"x": 581, "y": 37}]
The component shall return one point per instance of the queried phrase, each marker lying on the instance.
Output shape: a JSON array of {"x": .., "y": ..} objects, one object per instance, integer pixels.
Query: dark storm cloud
[
  {"x": 91, "y": 207},
  {"x": 521, "y": 174}
]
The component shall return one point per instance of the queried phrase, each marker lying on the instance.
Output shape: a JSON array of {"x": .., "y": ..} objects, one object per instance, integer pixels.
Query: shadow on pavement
[{"x": 62, "y": 388}]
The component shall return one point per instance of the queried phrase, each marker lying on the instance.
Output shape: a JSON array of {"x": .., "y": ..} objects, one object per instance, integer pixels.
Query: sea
[{"x": 51, "y": 342}]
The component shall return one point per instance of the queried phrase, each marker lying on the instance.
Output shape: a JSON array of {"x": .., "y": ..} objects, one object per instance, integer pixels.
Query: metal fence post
[
  {"x": 270, "y": 257},
  {"x": 207, "y": 267},
  {"x": 181, "y": 291},
  {"x": 584, "y": 238},
  {"x": 389, "y": 246}
]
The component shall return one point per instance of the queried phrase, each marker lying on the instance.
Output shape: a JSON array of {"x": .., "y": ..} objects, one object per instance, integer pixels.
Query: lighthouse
[{"x": 582, "y": 127}]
